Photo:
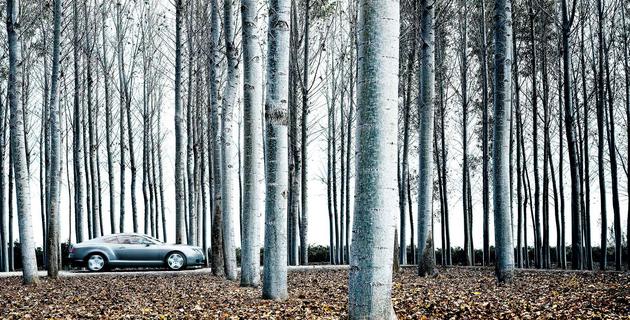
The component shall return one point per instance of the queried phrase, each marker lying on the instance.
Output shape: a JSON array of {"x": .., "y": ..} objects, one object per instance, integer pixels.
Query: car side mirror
[{"x": 147, "y": 244}]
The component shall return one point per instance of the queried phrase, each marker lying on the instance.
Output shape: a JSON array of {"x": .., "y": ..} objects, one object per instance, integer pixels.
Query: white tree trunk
[
  {"x": 426, "y": 100},
  {"x": 229, "y": 145},
  {"x": 253, "y": 161},
  {"x": 54, "y": 257},
  {"x": 370, "y": 286},
  {"x": 502, "y": 113},
  {"x": 18, "y": 148},
  {"x": 77, "y": 154},
  {"x": 217, "y": 264},
  {"x": 276, "y": 116},
  {"x": 180, "y": 232}
]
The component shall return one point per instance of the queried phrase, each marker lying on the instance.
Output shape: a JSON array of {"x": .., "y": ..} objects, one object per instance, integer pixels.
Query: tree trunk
[
  {"x": 217, "y": 224},
  {"x": 18, "y": 148},
  {"x": 179, "y": 147},
  {"x": 426, "y": 102},
  {"x": 4, "y": 218},
  {"x": 404, "y": 175},
  {"x": 504, "y": 251},
  {"x": 54, "y": 256},
  {"x": 331, "y": 224},
  {"x": 626, "y": 67},
  {"x": 464, "y": 93},
  {"x": 276, "y": 116},
  {"x": 253, "y": 161},
  {"x": 520, "y": 209},
  {"x": 109, "y": 125},
  {"x": 585, "y": 192},
  {"x": 10, "y": 200},
  {"x": 229, "y": 139},
  {"x": 484, "y": 119},
  {"x": 545, "y": 190},
  {"x": 121, "y": 127},
  {"x": 92, "y": 139},
  {"x": 303, "y": 142},
  {"x": 536, "y": 200},
  {"x": 612, "y": 153},
  {"x": 374, "y": 216},
  {"x": 77, "y": 154},
  {"x": 191, "y": 223},
  {"x": 600, "y": 135}
]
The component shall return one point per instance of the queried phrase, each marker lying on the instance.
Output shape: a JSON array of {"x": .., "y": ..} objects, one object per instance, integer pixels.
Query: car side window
[
  {"x": 111, "y": 239},
  {"x": 125, "y": 240},
  {"x": 135, "y": 240},
  {"x": 144, "y": 240}
]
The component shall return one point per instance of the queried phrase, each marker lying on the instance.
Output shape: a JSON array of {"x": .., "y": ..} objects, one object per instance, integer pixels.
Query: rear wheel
[
  {"x": 96, "y": 262},
  {"x": 176, "y": 261}
]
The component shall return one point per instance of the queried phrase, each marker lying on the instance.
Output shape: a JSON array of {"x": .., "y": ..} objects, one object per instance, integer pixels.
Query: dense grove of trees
[{"x": 430, "y": 111}]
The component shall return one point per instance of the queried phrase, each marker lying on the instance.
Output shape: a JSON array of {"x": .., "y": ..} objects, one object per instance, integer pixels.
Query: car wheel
[
  {"x": 176, "y": 261},
  {"x": 96, "y": 262}
]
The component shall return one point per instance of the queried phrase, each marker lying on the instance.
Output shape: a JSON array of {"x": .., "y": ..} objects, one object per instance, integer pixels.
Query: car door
[
  {"x": 131, "y": 248},
  {"x": 153, "y": 251}
]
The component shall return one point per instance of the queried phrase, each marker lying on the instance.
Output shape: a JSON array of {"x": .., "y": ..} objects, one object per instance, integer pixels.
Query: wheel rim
[
  {"x": 96, "y": 263},
  {"x": 175, "y": 261}
]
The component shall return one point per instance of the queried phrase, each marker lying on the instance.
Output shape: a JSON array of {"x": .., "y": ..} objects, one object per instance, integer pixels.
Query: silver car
[{"x": 134, "y": 250}]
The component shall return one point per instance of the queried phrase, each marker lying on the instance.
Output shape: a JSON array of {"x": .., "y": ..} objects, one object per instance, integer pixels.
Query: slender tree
[
  {"x": 276, "y": 152},
  {"x": 217, "y": 264},
  {"x": 54, "y": 256},
  {"x": 253, "y": 162},
  {"x": 600, "y": 135},
  {"x": 426, "y": 100},
  {"x": 501, "y": 125},
  {"x": 303, "y": 141},
  {"x": 18, "y": 147},
  {"x": 485, "y": 157},
  {"x": 229, "y": 139},
  {"x": 375, "y": 195},
  {"x": 77, "y": 154},
  {"x": 179, "y": 147},
  {"x": 464, "y": 97}
]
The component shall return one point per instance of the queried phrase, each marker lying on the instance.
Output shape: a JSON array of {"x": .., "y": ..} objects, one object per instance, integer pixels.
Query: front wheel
[
  {"x": 96, "y": 262},
  {"x": 175, "y": 261}
]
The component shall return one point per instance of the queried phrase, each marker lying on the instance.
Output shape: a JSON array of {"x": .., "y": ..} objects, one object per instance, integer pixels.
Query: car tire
[
  {"x": 96, "y": 262},
  {"x": 175, "y": 261}
]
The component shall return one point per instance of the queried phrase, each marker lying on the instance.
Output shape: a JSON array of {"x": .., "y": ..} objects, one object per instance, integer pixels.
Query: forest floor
[{"x": 315, "y": 294}]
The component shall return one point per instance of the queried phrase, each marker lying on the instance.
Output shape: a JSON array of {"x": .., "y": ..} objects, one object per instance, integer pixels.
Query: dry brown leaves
[{"x": 455, "y": 293}]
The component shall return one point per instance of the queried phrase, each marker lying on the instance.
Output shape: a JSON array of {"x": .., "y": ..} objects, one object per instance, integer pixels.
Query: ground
[{"x": 319, "y": 294}]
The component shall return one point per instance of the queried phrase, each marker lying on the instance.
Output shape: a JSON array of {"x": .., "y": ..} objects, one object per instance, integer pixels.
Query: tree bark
[
  {"x": 600, "y": 135},
  {"x": 121, "y": 127},
  {"x": 612, "y": 154},
  {"x": 253, "y": 161},
  {"x": 536, "y": 200},
  {"x": 179, "y": 147},
  {"x": 217, "y": 224},
  {"x": 484, "y": 150},
  {"x": 54, "y": 256},
  {"x": 374, "y": 215},
  {"x": 504, "y": 251},
  {"x": 426, "y": 102},
  {"x": 18, "y": 147},
  {"x": 303, "y": 143},
  {"x": 77, "y": 152},
  {"x": 276, "y": 116},
  {"x": 109, "y": 124},
  {"x": 229, "y": 138},
  {"x": 464, "y": 96}
]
